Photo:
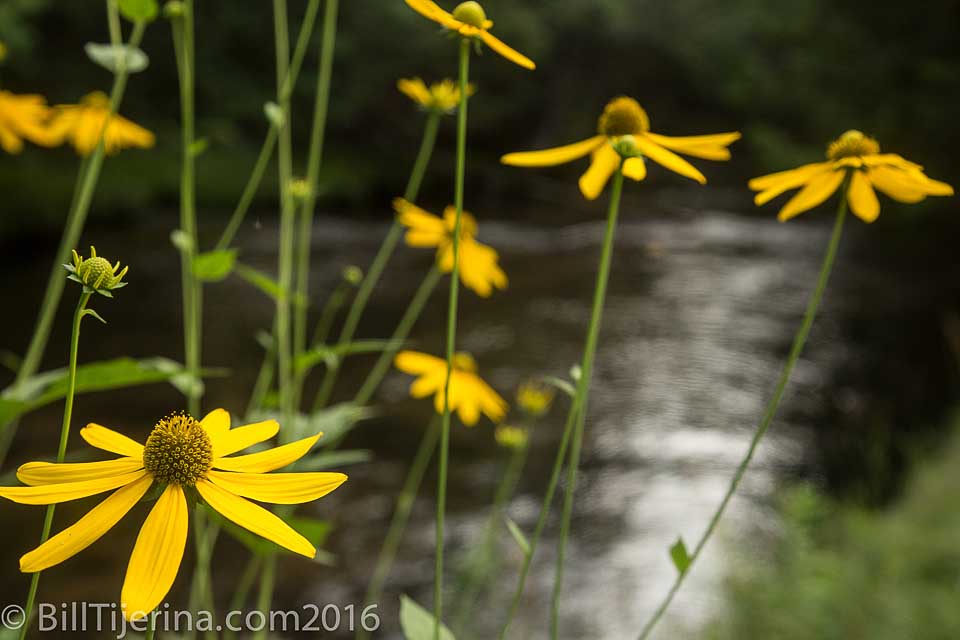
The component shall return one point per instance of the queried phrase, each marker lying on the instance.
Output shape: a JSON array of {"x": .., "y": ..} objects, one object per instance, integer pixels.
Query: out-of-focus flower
[
  {"x": 469, "y": 394},
  {"x": 23, "y": 118},
  {"x": 535, "y": 398},
  {"x": 440, "y": 97},
  {"x": 81, "y": 125},
  {"x": 511, "y": 437},
  {"x": 858, "y": 157}
]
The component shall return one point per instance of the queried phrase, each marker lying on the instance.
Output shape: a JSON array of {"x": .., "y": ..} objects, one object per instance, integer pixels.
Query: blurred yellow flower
[
  {"x": 624, "y": 123},
  {"x": 858, "y": 156},
  {"x": 469, "y": 394},
  {"x": 23, "y": 118},
  {"x": 180, "y": 454},
  {"x": 535, "y": 398},
  {"x": 440, "y": 97},
  {"x": 470, "y": 21},
  {"x": 511, "y": 437},
  {"x": 479, "y": 268},
  {"x": 82, "y": 123}
]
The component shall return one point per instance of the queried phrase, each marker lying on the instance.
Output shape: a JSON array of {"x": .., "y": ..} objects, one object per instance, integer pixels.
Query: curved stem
[
  {"x": 62, "y": 448},
  {"x": 249, "y": 191},
  {"x": 771, "y": 411},
  {"x": 451, "y": 335}
]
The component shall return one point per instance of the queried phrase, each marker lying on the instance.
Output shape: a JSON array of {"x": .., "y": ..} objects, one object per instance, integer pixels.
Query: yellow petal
[
  {"x": 242, "y": 437},
  {"x": 772, "y": 180},
  {"x": 668, "y": 159},
  {"x": 708, "y": 147},
  {"x": 109, "y": 440},
  {"x": 863, "y": 201},
  {"x": 264, "y": 461},
  {"x": 429, "y": 9},
  {"x": 415, "y": 89},
  {"x": 278, "y": 488},
  {"x": 635, "y": 169},
  {"x": 216, "y": 423},
  {"x": 66, "y": 491},
  {"x": 40, "y": 473},
  {"x": 817, "y": 190},
  {"x": 789, "y": 180},
  {"x": 605, "y": 162},
  {"x": 554, "y": 156},
  {"x": 896, "y": 183},
  {"x": 506, "y": 51},
  {"x": 890, "y": 159},
  {"x": 414, "y": 362},
  {"x": 156, "y": 555},
  {"x": 254, "y": 518},
  {"x": 87, "y": 529},
  {"x": 428, "y": 384}
]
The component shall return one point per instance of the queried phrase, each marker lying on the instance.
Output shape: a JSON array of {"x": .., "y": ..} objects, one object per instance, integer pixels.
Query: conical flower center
[
  {"x": 463, "y": 361},
  {"x": 852, "y": 143},
  {"x": 97, "y": 99},
  {"x": 470, "y": 13},
  {"x": 95, "y": 272},
  {"x": 623, "y": 116},
  {"x": 178, "y": 451}
]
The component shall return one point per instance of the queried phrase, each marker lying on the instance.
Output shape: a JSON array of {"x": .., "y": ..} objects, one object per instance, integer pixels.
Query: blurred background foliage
[{"x": 790, "y": 74}]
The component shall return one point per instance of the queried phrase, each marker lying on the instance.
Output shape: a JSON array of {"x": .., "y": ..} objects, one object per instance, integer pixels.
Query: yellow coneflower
[
  {"x": 440, "y": 97},
  {"x": 23, "y": 118},
  {"x": 624, "y": 123},
  {"x": 469, "y": 394},
  {"x": 181, "y": 455},
  {"x": 82, "y": 123},
  {"x": 858, "y": 156},
  {"x": 470, "y": 21},
  {"x": 535, "y": 398},
  {"x": 479, "y": 269}
]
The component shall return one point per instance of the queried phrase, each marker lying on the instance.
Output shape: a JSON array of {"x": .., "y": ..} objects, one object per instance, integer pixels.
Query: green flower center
[
  {"x": 178, "y": 451},
  {"x": 95, "y": 272},
  {"x": 852, "y": 143},
  {"x": 471, "y": 13},
  {"x": 623, "y": 116}
]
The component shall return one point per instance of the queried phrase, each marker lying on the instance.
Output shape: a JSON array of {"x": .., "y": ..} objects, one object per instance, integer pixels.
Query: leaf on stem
[
  {"x": 679, "y": 555},
  {"x": 418, "y": 623},
  {"x": 109, "y": 56}
]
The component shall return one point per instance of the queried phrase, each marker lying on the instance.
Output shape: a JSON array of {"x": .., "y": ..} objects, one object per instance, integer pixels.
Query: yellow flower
[
  {"x": 23, "y": 118},
  {"x": 82, "y": 123},
  {"x": 440, "y": 97},
  {"x": 858, "y": 156},
  {"x": 469, "y": 394},
  {"x": 624, "y": 132},
  {"x": 182, "y": 456},
  {"x": 535, "y": 398},
  {"x": 479, "y": 269},
  {"x": 511, "y": 437},
  {"x": 470, "y": 21},
  {"x": 96, "y": 273}
]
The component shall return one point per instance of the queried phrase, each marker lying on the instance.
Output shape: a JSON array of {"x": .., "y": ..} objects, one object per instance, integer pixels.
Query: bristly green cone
[{"x": 96, "y": 273}]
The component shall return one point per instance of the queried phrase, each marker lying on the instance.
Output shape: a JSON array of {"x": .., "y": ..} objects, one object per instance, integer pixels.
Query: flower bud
[
  {"x": 471, "y": 13},
  {"x": 300, "y": 189},
  {"x": 352, "y": 274},
  {"x": 511, "y": 437},
  {"x": 627, "y": 147},
  {"x": 173, "y": 9},
  {"x": 535, "y": 398},
  {"x": 96, "y": 274}
]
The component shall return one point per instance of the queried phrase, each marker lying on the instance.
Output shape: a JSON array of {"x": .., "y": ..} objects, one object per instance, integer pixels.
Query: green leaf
[
  {"x": 181, "y": 240},
  {"x": 517, "y": 535},
  {"x": 313, "y": 529},
  {"x": 214, "y": 266},
  {"x": 316, "y": 531},
  {"x": 274, "y": 114},
  {"x": 92, "y": 313},
  {"x": 418, "y": 623},
  {"x": 198, "y": 146},
  {"x": 312, "y": 358},
  {"x": 260, "y": 280},
  {"x": 333, "y": 421},
  {"x": 679, "y": 555},
  {"x": 333, "y": 460},
  {"x": 138, "y": 10},
  {"x": 109, "y": 56}
]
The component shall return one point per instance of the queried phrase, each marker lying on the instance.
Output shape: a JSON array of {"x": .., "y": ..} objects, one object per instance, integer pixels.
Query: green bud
[
  {"x": 353, "y": 275},
  {"x": 471, "y": 13},
  {"x": 96, "y": 274},
  {"x": 173, "y": 9},
  {"x": 626, "y": 146}
]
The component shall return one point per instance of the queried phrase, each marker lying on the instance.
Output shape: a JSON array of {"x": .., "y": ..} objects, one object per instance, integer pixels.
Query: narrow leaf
[
  {"x": 418, "y": 623},
  {"x": 109, "y": 57},
  {"x": 214, "y": 266},
  {"x": 679, "y": 555},
  {"x": 138, "y": 10},
  {"x": 517, "y": 535}
]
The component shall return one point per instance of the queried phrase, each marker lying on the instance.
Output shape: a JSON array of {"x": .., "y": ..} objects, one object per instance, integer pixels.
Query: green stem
[
  {"x": 400, "y": 335},
  {"x": 583, "y": 391},
  {"x": 401, "y": 515},
  {"x": 383, "y": 256},
  {"x": 62, "y": 448},
  {"x": 465, "y": 44},
  {"x": 798, "y": 342},
  {"x": 151, "y": 632},
  {"x": 330, "y": 310},
  {"x": 265, "y": 596},
  {"x": 244, "y": 584},
  {"x": 265, "y": 375}
]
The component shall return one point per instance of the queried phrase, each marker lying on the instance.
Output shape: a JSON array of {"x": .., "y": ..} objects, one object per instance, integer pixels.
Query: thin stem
[
  {"x": 249, "y": 191},
  {"x": 383, "y": 255},
  {"x": 451, "y": 335},
  {"x": 330, "y": 310},
  {"x": 62, "y": 448},
  {"x": 244, "y": 584},
  {"x": 265, "y": 596},
  {"x": 265, "y": 375},
  {"x": 400, "y": 334},
  {"x": 583, "y": 391},
  {"x": 798, "y": 342},
  {"x": 401, "y": 516},
  {"x": 151, "y": 632}
]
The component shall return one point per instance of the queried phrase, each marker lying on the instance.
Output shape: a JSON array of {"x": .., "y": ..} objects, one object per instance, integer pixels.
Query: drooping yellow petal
[
  {"x": 109, "y": 440},
  {"x": 605, "y": 161},
  {"x": 896, "y": 183},
  {"x": 40, "y": 473},
  {"x": 216, "y": 423},
  {"x": 772, "y": 180},
  {"x": 818, "y": 189},
  {"x": 429, "y": 9},
  {"x": 242, "y": 437},
  {"x": 415, "y": 89},
  {"x": 479, "y": 270},
  {"x": 554, "y": 156},
  {"x": 66, "y": 491},
  {"x": 635, "y": 169},
  {"x": 890, "y": 159},
  {"x": 428, "y": 383},
  {"x": 278, "y": 488},
  {"x": 415, "y": 362},
  {"x": 709, "y": 147},
  {"x": 788, "y": 180},
  {"x": 668, "y": 159},
  {"x": 156, "y": 555},
  {"x": 425, "y": 229},
  {"x": 506, "y": 51},
  {"x": 87, "y": 529},
  {"x": 863, "y": 201},
  {"x": 254, "y": 518},
  {"x": 264, "y": 461}
]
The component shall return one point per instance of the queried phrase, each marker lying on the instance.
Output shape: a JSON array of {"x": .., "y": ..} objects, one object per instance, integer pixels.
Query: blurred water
[{"x": 700, "y": 314}]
